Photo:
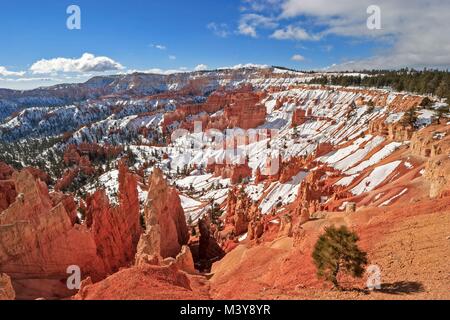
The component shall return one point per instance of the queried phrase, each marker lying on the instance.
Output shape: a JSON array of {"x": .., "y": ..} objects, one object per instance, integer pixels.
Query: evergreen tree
[
  {"x": 410, "y": 118},
  {"x": 337, "y": 251},
  {"x": 442, "y": 90}
]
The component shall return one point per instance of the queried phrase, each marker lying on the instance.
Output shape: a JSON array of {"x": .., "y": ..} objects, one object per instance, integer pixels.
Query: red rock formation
[
  {"x": 74, "y": 154},
  {"x": 184, "y": 261},
  {"x": 393, "y": 131},
  {"x": 272, "y": 168},
  {"x": 86, "y": 166},
  {"x": 241, "y": 108},
  {"x": 69, "y": 204},
  {"x": 215, "y": 102},
  {"x": 165, "y": 221},
  {"x": 6, "y": 288},
  {"x": 245, "y": 111},
  {"x": 5, "y": 171},
  {"x": 241, "y": 211},
  {"x": 405, "y": 102},
  {"x": 255, "y": 229},
  {"x": 235, "y": 172},
  {"x": 7, "y": 194},
  {"x": 208, "y": 249},
  {"x": 39, "y": 174},
  {"x": 298, "y": 117},
  {"x": 146, "y": 282},
  {"x": 258, "y": 176},
  {"x": 7, "y": 189},
  {"x": 66, "y": 180},
  {"x": 71, "y": 155},
  {"x": 286, "y": 227},
  {"x": 434, "y": 143},
  {"x": 311, "y": 191},
  {"x": 40, "y": 239},
  {"x": 291, "y": 168},
  {"x": 323, "y": 149},
  {"x": 116, "y": 229}
]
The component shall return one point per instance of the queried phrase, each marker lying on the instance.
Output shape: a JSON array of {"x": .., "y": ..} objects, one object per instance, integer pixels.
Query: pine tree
[
  {"x": 442, "y": 89},
  {"x": 410, "y": 118},
  {"x": 337, "y": 251}
]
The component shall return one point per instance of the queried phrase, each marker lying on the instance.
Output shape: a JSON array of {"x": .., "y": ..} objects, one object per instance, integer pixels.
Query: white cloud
[
  {"x": 249, "y": 23},
  {"x": 87, "y": 63},
  {"x": 293, "y": 33},
  {"x": 219, "y": 29},
  {"x": 6, "y": 73},
  {"x": 201, "y": 67},
  {"x": 259, "y": 5},
  {"x": 247, "y": 30},
  {"x": 159, "y": 46},
  {"x": 248, "y": 65},
  {"x": 29, "y": 79},
  {"x": 158, "y": 71},
  {"x": 297, "y": 57},
  {"x": 172, "y": 57},
  {"x": 412, "y": 33}
]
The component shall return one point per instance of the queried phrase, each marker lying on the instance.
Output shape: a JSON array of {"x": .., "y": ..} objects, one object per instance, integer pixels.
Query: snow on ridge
[
  {"x": 377, "y": 157},
  {"x": 282, "y": 193},
  {"x": 358, "y": 155},
  {"x": 346, "y": 181},
  {"x": 394, "y": 117},
  {"x": 343, "y": 153},
  {"x": 108, "y": 181},
  {"x": 389, "y": 201},
  {"x": 376, "y": 177}
]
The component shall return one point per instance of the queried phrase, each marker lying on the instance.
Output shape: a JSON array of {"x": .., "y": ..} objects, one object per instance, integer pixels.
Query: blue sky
[{"x": 163, "y": 36}]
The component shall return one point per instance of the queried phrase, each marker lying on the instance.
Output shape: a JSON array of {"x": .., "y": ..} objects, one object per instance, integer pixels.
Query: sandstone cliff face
[
  {"x": 432, "y": 144},
  {"x": 298, "y": 117},
  {"x": 245, "y": 111},
  {"x": 405, "y": 102},
  {"x": 6, "y": 288},
  {"x": 116, "y": 230},
  {"x": 147, "y": 282},
  {"x": 323, "y": 148},
  {"x": 310, "y": 193},
  {"x": 437, "y": 172},
  {"x": 208, "y": 249},
  {"x": 236, "y": 173},
  {"x": 165, "y": 221},
  {"x": 40, "y": 239},
  {"x": 393, "y": 131},
  {"x": 5, "y": 171},
  {"x": 242, "y": 213},
  {"x": 7, "y": 189},
  {"x": 184, "y": 261},
  {"x": 291, "y": 167},
  {"x": 241, "y": 108}
]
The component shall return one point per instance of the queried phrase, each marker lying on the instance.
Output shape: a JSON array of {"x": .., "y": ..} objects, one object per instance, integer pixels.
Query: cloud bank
[
  {"x": 6, "y": 73},
  {"x": 413, "y": 32},
  {"x": 86, "y": 63}
]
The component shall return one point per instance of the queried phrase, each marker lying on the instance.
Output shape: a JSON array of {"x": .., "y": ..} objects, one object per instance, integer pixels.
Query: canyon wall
[
  {"x": 40, "y": 238},
  {"x": 166, "y": 228}
]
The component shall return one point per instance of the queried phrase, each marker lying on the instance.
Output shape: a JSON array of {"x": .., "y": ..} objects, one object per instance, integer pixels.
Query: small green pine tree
[{"x": 336, "y": 251}]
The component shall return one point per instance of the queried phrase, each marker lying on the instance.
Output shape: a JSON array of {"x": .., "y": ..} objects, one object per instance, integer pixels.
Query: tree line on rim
[{"x": 424, "y": 82}]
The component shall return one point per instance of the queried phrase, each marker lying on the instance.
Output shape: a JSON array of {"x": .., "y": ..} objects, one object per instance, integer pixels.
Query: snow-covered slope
[{"x": 130, "y": 110}]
